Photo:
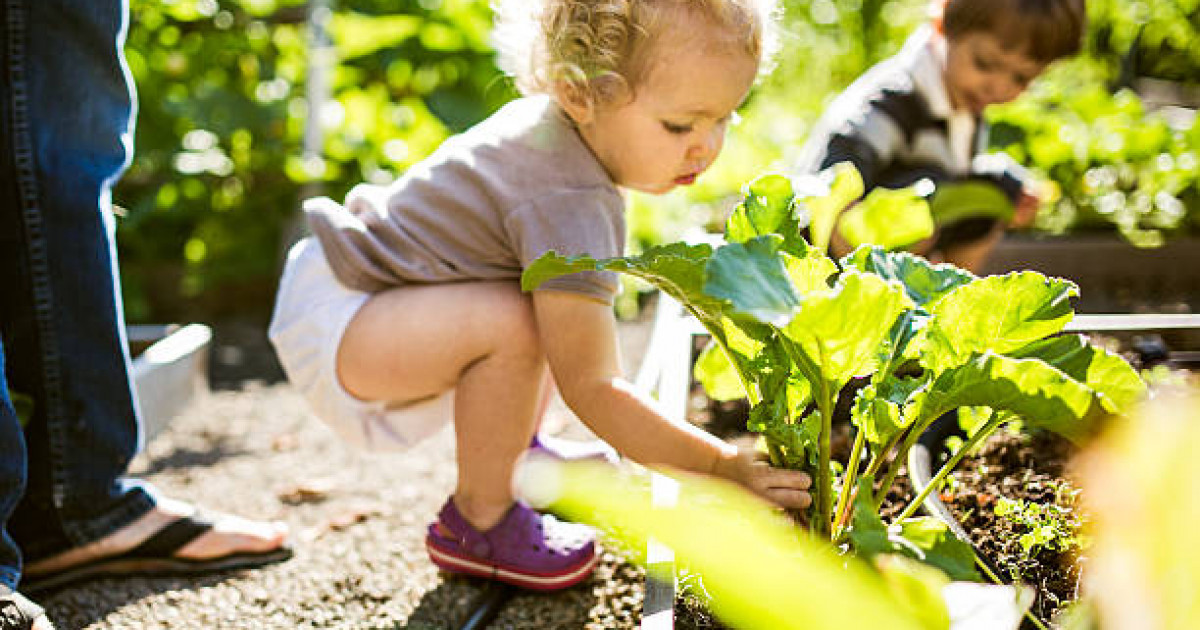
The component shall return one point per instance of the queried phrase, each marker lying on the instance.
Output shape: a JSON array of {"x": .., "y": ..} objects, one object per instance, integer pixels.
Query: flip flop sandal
[
  {"x": 526, "y": 549},
  {"x": 17, "y": 612},
  {"x": 155, "y": 557}
]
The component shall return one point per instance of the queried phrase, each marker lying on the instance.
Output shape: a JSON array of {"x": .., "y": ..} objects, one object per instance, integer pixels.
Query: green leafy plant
[
  {"x": 1156, "y": 39},
  {"x": 795, "y": 327},
  {"x": 220, "y": 163},
  {"x": 1055, "y": 525},
  {"x": 1113, "y": 164},
  {"x": 757, "y": 569}
]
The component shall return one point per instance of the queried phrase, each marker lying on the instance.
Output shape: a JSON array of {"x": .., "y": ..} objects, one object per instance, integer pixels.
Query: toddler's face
[
  {"x": 980, "y": 71},
  {"x": 674, "y": 127}
]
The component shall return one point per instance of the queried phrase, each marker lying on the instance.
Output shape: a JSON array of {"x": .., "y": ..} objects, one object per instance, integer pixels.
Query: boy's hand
[
  {"x": 1025, "y": 211},
  {"x": 750, "y": 468}
]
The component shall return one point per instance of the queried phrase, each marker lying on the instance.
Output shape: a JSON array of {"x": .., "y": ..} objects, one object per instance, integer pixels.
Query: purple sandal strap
[{"x": 465, "y": 534}]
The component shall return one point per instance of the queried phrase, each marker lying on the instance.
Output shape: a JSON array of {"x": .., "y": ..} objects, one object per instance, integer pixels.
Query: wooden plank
[
  {"x": 665, "y": 371},
  {"x": 1092, "y": 323},
  {"x": 1121, "y": 322}
]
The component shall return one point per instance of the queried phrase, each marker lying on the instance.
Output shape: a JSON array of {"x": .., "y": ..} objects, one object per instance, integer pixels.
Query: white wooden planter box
[{"x": 169, "y": 373}]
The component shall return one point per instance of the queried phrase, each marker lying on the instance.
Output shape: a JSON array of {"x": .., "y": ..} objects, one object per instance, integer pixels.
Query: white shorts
[{"x": 312, "y": 312}]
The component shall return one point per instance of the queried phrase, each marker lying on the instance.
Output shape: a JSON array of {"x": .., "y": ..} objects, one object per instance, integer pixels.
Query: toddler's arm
[{"x": 580, "y": 341}]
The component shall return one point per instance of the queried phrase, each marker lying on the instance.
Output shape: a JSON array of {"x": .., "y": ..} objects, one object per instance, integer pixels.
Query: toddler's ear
[{"x": 575, "y": 101}]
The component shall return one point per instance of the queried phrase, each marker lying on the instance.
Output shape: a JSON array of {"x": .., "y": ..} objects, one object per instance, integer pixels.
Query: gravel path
[{"x": 357, "y": 525}]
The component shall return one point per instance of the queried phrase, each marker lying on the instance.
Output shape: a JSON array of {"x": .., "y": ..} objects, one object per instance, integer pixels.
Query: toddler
[
  {"x": 918, "y": 113},
  {"x": 403, "y": 310}
]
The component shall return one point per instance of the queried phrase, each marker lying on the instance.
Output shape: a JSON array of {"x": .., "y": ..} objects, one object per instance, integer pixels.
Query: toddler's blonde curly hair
[{"x": 601, "y": 47}]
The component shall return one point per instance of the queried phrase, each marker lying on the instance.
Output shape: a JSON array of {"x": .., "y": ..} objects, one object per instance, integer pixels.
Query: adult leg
[
  {"x": 68, "y": 128},
  {"x": 479, "y": 338},
  {"x": 12, "y": 481},
  {"x": 15, "y": 610}
]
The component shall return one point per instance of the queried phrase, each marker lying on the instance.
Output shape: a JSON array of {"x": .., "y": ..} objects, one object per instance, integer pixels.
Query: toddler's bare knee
[{"x": 515, "y": 325}]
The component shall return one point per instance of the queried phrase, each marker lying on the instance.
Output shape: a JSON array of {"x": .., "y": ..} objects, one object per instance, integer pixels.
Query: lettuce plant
[{"x": 792, "y": 327}]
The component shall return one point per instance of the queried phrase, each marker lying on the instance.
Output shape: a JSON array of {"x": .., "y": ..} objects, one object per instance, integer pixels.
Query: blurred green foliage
[
  {"x": 220, "y": 168},
  {"x": 1153, "y": 38},
  {"x": 1113, "y": 164}
]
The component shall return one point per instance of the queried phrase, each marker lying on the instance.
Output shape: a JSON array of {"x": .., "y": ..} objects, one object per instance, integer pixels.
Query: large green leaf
[
  {"x": 996, "y": 313},
  {"x": 867, "y": 533},
  {"x": 1110, "y": 376},
  {"x": 939, "y": 547},
  {"x": 926, "y": 539},
  {"x": 955, "y": 201},
  {"x": 923, "y": 281},
  {"x": 752, "y": 277},
  {"x": 1040, "y": 394},
  {"x": 809, "y": 272},
  {"x": 889, "y": 218},
  {"x": 839, "y": 330},
  {"x": 842, "y": 185},
  {"x": 765, "y": 209},
  {"x": 876, "y": 409},
  {"x": 878, "y": 418},
  {"x": 923, "y": 590},
  {"x": 718, "y": 376},
  {"x": 677, "y": 269}
]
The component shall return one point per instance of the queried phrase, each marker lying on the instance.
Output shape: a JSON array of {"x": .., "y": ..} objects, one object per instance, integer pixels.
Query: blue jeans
[{"x": 67, "y": 108}]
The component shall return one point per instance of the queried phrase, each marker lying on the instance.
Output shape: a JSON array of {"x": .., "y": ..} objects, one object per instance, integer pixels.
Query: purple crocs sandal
[
  {"x": 525, "y": 549},
  {"x": 565, "y": 450}
]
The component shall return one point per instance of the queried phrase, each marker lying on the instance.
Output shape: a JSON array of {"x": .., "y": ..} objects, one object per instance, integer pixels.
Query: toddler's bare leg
[{"x": 481, "y": 338}]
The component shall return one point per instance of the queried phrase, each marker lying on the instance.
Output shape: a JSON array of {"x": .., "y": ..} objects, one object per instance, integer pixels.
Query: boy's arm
[
  {"x": 579, "y": 339},
  {"x": 1012, "y": 178}
]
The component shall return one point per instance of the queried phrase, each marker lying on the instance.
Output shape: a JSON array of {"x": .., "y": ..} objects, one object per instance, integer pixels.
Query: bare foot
[{"x": 230, "y": 534}]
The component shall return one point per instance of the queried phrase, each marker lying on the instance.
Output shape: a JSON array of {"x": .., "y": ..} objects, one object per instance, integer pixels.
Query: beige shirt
[{"x": 482, "y": 207}]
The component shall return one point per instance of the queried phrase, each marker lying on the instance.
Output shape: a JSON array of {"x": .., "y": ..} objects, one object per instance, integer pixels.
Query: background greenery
[{"x": 211, "y": 199}]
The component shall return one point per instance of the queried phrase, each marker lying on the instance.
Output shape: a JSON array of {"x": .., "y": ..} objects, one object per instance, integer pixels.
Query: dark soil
[{"x": 1029, "y": 468}]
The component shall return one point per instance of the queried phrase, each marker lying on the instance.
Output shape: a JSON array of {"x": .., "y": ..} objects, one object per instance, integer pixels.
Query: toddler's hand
[{"x": 750, "y": 468}]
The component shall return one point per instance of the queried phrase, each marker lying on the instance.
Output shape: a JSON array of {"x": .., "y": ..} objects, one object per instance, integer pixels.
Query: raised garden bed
[
  {"x": 1015, "y": 499},
  {"x": 1012, "y": 467},
  {"x": 1113, "y": 276}
]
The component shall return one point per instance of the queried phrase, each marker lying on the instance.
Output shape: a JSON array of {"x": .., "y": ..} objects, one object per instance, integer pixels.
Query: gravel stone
[{"x": 252, "y": 448}]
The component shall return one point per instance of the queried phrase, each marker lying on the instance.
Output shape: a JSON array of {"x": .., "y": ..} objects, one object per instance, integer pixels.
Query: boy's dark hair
[{"x": 1044, "y": 29}]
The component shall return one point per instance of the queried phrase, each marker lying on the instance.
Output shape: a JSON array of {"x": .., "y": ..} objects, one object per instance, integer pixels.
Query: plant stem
[
  {"x": 987, "y": 429},
  {"x": 914, "y": 432},
  {"x": 775, "y": 452},
  {"x": 753, "y": 396},
  {"x": 824, "y": 483},
  {"x": 850, "y": 479},
  {"x": 878, "y": 459},
  {"x": 996, "y": 580}
]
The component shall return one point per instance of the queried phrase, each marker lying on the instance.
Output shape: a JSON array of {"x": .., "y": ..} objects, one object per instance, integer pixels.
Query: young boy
[{"x": 918, "y": 114}]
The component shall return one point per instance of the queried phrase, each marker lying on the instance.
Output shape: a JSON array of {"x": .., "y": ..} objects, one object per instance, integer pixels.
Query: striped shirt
[{"x": 895, "y": 123}]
